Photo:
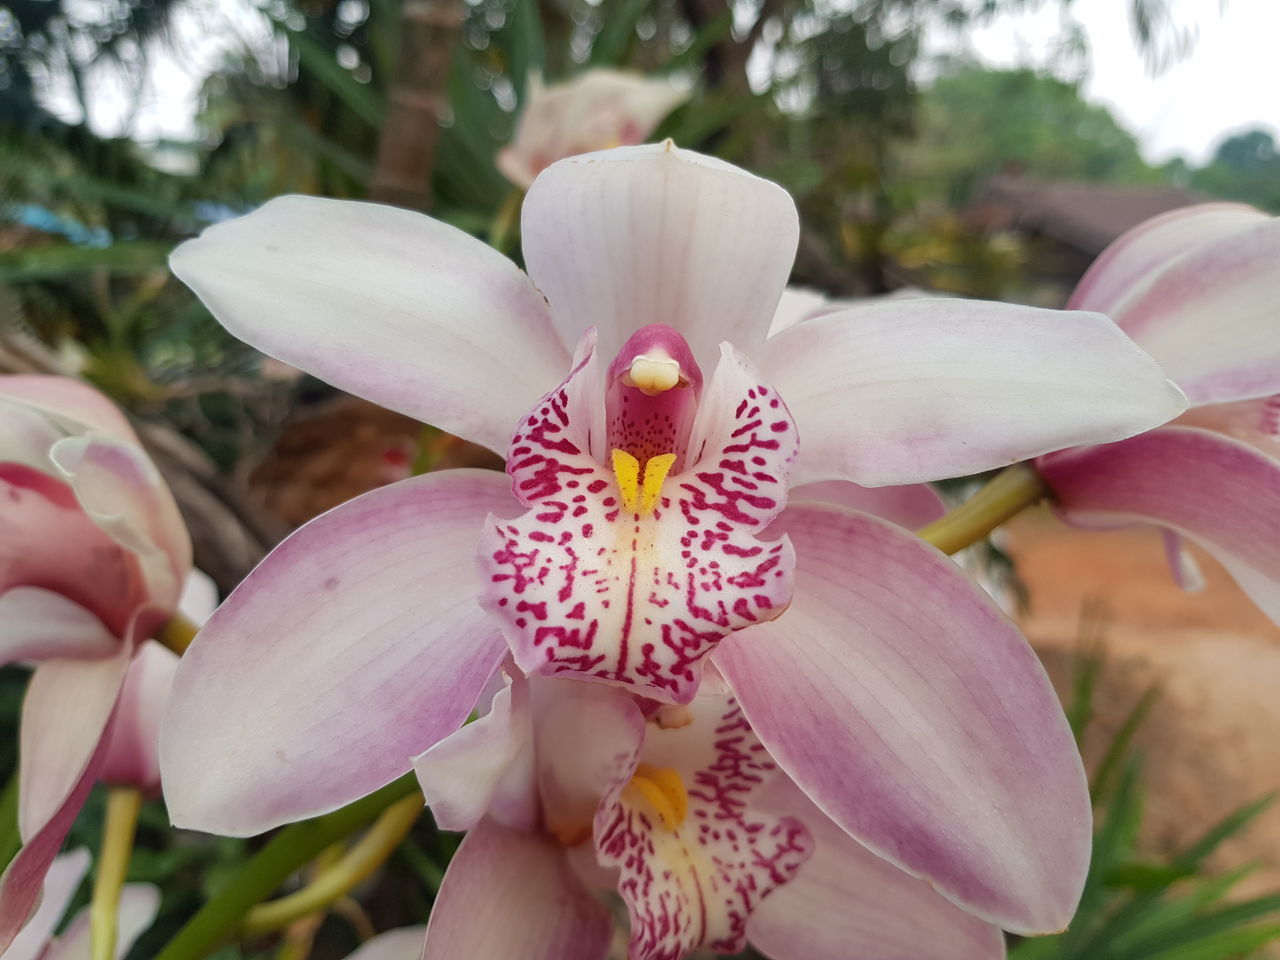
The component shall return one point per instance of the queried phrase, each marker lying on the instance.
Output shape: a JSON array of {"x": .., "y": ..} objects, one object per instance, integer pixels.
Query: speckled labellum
[{"x": 645, "y": 491}]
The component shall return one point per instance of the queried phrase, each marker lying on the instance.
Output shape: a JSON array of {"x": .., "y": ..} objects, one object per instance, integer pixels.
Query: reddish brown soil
[{"x": 1211, "y": 742}]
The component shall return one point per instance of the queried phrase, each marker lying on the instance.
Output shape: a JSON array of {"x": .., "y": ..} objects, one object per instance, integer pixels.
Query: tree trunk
[{"x": 416, "y": 103}]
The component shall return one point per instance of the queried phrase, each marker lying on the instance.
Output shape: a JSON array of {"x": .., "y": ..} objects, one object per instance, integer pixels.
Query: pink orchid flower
[
  {"x": 93, "y": 555},
  {"x": 139, "y": 903},
  {"x": 880, "y": 679},
  {"x": 597, "y": 109},
  {"x": 569, "y": 790},
  {"x": 1198, "y": 289}
]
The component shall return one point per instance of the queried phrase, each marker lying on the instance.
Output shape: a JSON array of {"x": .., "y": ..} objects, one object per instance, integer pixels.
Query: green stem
[
  {"x": 177, "y": 634},
  {"x": 118, "y": 830},
  {"x": 1006, "y": 494},
  {"x": 262, "y": 873},
  {"x": 339, "y": 879},
  {"x": 505, "y": 221},
  {"x": 10, "y": 839}
]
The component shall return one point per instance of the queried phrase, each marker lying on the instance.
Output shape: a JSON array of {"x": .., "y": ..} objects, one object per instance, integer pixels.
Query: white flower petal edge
[
  {"x": 391, "y": 305},
  {"x": 912, "y": 390},
  {"x": 355, "y": 645}
]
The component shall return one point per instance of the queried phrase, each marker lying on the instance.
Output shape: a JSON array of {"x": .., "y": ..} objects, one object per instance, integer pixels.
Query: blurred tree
[{"x": 1245, "y": 167}]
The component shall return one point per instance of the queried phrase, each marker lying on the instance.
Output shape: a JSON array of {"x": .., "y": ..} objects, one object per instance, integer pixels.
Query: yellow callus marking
[
  {"x": 655, "y": 473},
  {"x": 640, "y": 496},
  {"x": 664, "y": 790},
  {"x": 626, "y": 470}
]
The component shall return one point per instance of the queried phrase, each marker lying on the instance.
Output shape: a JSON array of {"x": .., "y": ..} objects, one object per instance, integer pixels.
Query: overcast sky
[{"x": 1230, "y": 79}]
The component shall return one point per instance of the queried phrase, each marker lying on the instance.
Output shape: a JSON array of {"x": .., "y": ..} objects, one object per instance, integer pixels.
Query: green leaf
[
  {"x": 610, "y": 47},
  {"x": 1232, "y": 824},
  {"x": 1119, "y": 746},
  {"x": 44, "y": 263},
  {"x": 1147, "y": 877},
  {"x": 525, "y": 46},
  {"x": 321, "y": 63}
]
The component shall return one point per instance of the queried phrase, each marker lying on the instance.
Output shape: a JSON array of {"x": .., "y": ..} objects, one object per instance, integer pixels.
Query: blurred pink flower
[
  {"x": 139, "y": 903},
  {"x": 1198, "y": 289},
  {"x": 598, "y": 109},
  {"x": 891, "y": 690},
  {"x": 570, "y": 790},
  {"x": 93, "y": 557}
]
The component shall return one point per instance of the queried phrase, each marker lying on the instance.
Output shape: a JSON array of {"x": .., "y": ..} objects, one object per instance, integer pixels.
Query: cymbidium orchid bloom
[
  {"x": 571, "y": 791},
  {"x": 597, "y": 109},
  {"x": 93, "y": 558},
  {"x": 644, "y": 529},
  {"x": 1197, "y": 288},
  {"x": 139, "y": 903}
]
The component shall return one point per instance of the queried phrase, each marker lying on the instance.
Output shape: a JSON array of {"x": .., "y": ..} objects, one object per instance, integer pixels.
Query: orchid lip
[{"x": 628, "y": 571}]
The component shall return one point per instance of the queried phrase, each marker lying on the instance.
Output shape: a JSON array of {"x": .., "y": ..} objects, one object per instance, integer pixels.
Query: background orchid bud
[
  {"x": 596, "y": 110},
  {"x": 92, "y": 535}
]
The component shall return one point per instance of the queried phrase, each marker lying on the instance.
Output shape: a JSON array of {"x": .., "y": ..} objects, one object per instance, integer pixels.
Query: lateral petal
[
  {"x": 906, "y": 705},
  {"x": 1213, "y": 490},
  {"x": 912, "y": 390},
  {"x": 847, "y": 902},
  {"x": 355, "y": 645},
  {"x": 391, "y": 305}
]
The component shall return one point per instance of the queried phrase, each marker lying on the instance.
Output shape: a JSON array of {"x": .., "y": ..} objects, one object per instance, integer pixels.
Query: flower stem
[
  {"x": 1009, "y": 492},
  {"x": 262, "y": 873},
  {"x": 506, "y": 221},
  {"x": 177, "y": 634},
  {"x": 333, "y": 883},
  {"x": 118, "y": 829}
]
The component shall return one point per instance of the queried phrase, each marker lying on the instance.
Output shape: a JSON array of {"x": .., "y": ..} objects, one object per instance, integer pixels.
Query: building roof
[{"x": 1087, "y": 216}]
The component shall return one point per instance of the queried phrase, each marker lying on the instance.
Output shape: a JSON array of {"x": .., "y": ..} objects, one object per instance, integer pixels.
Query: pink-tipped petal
[
  {"x": 587, "y": 587},
  {"x": 65, "y": 713},
  {"x": 399, "y": 308},
  {"x": 38, "y": 624},
  {"x": 139, "y": 904},
  {"x": 1139, "y": 255},
  {"x": 23, "y": 880},
  {"x": 75, "y": 405},
  {"x": 847, "y": 902},
  {"x": 50, "y": 544},
  {"x": 692, "y": 877},
  {"x": 510, "y": 894},
  {"x": 133, "y": 749},
  {"x": 905, "y": 391},
  {"x": 655, "y": 234},
  {"x": 1213, "y": 490},
  {"x": 404, "y": 943},
  {"x": 1209, "y": 317},
  {"x": 487, "y": 767},
  {"x": 60, "y": 885},
  {"x": 123, "y": 493},
  {"x": 912, "y": 505},
  {"x": 354, "y": 646},
  {"x": 905, "y": 704}
]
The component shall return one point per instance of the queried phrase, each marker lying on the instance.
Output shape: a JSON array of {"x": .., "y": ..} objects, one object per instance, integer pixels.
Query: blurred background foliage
[{"x": 909, "y": 172}]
